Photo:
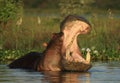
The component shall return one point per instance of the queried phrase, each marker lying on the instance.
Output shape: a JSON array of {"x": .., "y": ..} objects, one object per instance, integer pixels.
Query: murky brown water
[{"x": 101, "y": 72}]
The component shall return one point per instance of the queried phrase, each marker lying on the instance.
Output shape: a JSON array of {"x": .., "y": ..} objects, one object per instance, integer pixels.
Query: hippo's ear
[
  {"x": 61, "y": 35},
  {"x": 45, "y": 44}
]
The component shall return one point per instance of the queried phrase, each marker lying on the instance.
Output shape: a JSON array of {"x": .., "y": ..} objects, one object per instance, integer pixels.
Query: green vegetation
[
  {"x": 9, "y": 11},
  {"x": 29, "y": 31},
  {"x": 104, "y": 37}
]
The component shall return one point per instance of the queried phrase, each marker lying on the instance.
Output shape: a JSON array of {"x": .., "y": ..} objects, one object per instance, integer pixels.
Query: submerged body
[{"x": 62, "y": 52}]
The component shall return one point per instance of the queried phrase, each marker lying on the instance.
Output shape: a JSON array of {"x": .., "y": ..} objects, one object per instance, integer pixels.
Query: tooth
[
  {"x": 88, "y": 57},
  {"x": 67, "y": 54}
]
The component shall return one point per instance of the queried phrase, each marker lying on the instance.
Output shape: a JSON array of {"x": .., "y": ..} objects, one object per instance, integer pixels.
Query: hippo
[{"x": 62, "y": 52}]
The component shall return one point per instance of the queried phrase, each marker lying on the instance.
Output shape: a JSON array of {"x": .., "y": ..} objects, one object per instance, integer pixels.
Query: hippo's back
[{"x": 27, "y": 61}]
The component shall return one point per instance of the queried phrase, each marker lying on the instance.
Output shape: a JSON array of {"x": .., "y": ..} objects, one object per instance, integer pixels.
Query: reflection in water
[
  {"x": 25, "y": 76},
  {"x": 101, "y": 72},
  {"x": 66, "y": 77}
]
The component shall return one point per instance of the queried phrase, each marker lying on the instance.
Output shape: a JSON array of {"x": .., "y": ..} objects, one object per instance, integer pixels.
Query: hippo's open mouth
[
  {"x": 73, "y": 54},
  {"x": 70, "y": 50}
]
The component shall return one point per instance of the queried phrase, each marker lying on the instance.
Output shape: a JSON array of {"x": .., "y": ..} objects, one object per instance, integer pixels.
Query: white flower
[
  {"x": 88, "y": 50},
  {"x": 95, "y": 52},
  {"x": 83, "y": 49}
]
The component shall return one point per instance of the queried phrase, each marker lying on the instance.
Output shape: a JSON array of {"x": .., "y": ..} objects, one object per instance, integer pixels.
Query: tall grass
[{"x": 32, "y": 33}]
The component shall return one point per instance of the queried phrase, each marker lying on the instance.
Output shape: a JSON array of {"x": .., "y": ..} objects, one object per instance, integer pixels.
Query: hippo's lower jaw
[
  {"x": 76, "y": 66},
  {"x": 82, "y": 65},
  {"x": 78, "y": 58},
  {"x": 76, "y": 62}
]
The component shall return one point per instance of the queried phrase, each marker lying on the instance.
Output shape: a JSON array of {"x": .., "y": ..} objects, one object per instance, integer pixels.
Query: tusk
[
  {"x": 67, "y": 54},
  {"x": 88, "y": 57}
]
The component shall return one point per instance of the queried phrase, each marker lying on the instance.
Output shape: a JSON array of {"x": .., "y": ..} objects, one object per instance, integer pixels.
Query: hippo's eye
[{"x": 87, "y": 28}]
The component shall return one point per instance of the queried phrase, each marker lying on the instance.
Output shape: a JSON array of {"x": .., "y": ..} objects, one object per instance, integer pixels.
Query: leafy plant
[{"x": 9, "y": 10}]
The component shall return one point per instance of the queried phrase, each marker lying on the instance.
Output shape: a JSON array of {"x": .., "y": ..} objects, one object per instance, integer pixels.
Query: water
[{"x": 101, "y": 72}]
